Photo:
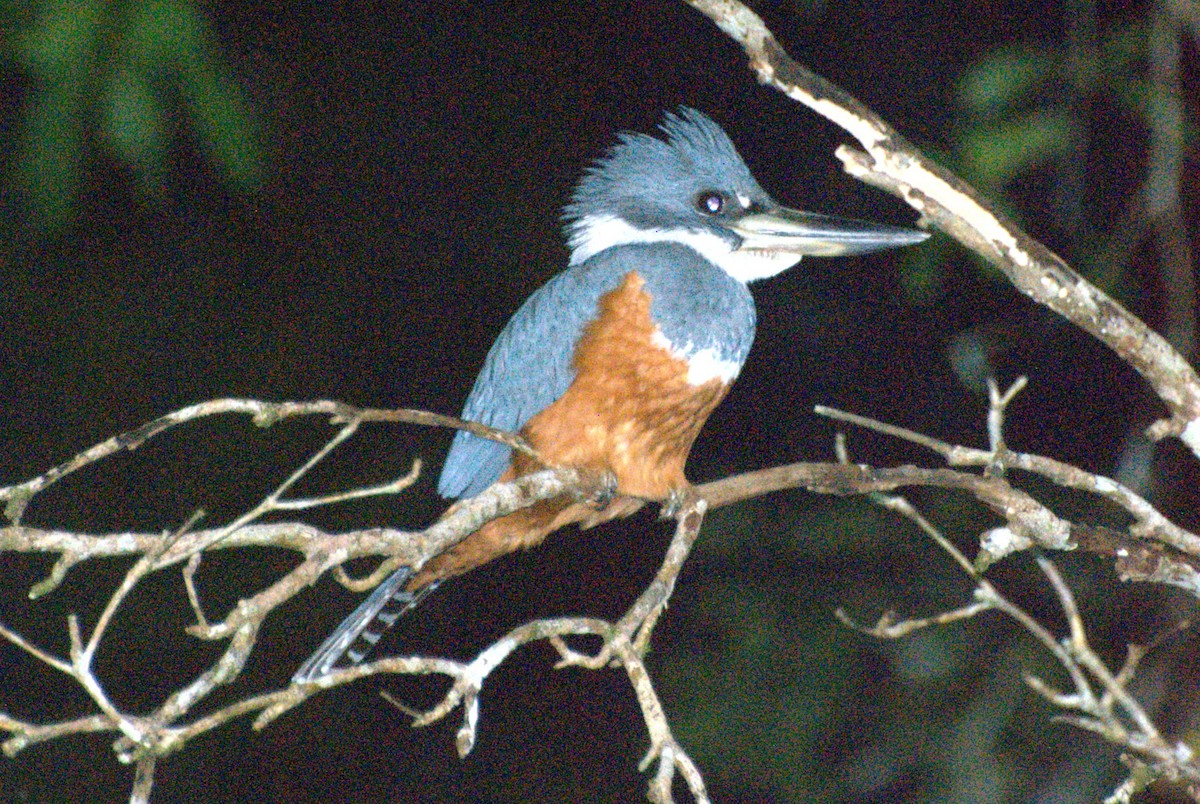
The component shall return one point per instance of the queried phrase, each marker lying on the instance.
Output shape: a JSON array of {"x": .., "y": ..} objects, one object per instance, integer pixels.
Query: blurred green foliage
[
  {"x": 1019, "y": 103},
  {"x": 1029, "y": 108},
  {"x": 123, "y": 77}
]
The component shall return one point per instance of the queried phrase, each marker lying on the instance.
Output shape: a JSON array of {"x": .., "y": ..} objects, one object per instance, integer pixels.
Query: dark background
[{"x": 400, "y": 198}]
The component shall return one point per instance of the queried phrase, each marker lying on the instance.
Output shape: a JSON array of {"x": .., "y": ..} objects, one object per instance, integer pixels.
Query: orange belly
[{"x": 630, "y": 411}]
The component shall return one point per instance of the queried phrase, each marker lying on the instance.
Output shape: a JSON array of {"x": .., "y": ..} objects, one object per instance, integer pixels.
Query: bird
[{"x": 614, "y": 365}]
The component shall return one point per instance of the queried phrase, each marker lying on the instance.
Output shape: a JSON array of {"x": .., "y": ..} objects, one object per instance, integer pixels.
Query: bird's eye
[{"x": 710, "y": 202}]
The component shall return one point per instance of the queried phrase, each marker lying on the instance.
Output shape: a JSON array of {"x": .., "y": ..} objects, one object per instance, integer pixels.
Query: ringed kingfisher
[{"x": 614, "y": 365}]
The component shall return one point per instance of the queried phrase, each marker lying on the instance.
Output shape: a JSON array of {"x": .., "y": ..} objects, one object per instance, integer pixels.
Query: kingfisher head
[{"x": 693, "y": 188}]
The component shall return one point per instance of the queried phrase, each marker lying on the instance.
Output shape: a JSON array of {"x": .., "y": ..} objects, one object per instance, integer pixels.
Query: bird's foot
[
  {"x": 598, "y": 490},
  {"x": 677, "y": 500}
]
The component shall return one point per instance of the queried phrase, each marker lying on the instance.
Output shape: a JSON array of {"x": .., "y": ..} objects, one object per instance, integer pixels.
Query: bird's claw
[
  {"x": 677, "y": 500},
  {"x": 599, "y": 491}
]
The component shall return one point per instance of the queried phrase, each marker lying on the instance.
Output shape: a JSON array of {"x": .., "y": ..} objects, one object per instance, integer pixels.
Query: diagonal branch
[{"x": 893, "y": 164}]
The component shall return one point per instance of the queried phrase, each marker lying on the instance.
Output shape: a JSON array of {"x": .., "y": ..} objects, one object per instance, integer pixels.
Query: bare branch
[
  {"x": 1149, "y": 522},
  {"x": 1104, "y": 712},
  {"x": 618, "y": 647},
  {"x": 143, "y": 780},
  {"x": 27, "y": 734},
  {"x": 1098, "y": 699},
  {"x": 623, "y": 642},
  {"x": 889, "y": 626},
  {"x": 34, "y": 651},
  {"x": 264, "y": 414},
  {"x": 892, "y": 163}
]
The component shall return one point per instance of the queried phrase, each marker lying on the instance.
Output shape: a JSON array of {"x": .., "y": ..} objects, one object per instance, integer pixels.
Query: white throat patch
[
  {"x": 703, "y": 364},
  {"x": 595, "y": 233}
]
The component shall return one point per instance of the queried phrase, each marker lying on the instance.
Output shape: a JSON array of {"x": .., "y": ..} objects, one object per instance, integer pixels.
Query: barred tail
[{"x": 359, "y": 632}]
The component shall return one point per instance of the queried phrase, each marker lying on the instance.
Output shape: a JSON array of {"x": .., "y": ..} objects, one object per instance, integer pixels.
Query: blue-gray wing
[{"x": 528, "y": 368}]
